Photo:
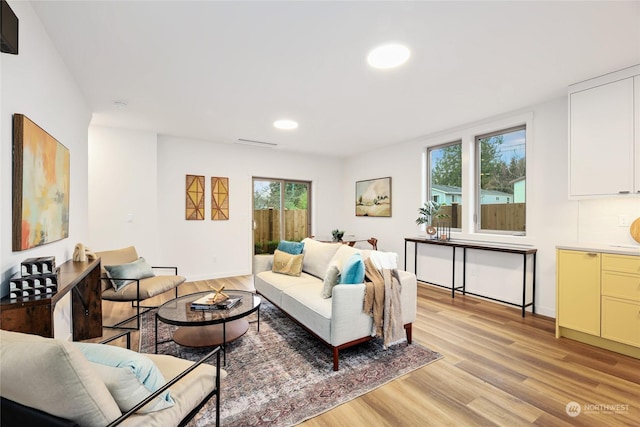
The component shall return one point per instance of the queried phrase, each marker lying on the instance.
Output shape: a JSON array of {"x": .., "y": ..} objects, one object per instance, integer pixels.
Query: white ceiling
[{"x": 221, "y": 71}]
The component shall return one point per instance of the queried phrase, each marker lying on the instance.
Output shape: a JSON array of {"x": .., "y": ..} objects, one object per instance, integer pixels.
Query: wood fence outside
[
  {"x": 268, "y": 225},
  {"x": 503, "y": 216},
  {"x": 508, "y": 216}
]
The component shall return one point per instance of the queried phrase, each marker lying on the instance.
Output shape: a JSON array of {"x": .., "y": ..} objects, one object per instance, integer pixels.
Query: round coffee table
[{"x": 211, "y": 327}]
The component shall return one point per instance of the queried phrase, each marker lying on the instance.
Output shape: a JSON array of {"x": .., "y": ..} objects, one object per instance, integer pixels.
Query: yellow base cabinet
[
  {"x": 621, "y": 299},
  {"x": 578, "y": 290},
  {"x": 621, "y": 320},
  {"x": 598, "y": 299}
]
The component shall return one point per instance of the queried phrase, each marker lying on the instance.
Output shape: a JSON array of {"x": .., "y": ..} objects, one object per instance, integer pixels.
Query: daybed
[
  {"x": 339, "y": 321},
  {"x": 50, "y": 382}
]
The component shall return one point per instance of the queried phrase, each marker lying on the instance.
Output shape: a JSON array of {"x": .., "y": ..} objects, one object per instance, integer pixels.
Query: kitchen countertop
[{"x": 621, "y": 249}]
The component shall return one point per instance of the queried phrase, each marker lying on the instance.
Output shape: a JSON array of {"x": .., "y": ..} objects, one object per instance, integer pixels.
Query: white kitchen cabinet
[{"x": 604, "y": 135}]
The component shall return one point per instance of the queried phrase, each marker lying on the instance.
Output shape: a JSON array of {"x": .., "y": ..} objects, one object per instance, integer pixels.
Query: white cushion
[
  {"x": 53, "y": 376},
  {"x": 317, "y": 256}
]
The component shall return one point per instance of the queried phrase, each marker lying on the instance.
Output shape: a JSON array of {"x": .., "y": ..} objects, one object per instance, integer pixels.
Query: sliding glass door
[{"x": 281, "y": 211}]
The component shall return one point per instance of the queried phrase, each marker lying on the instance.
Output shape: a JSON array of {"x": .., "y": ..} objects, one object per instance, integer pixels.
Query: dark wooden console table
[
  {"x": 464, "y": 245},
  {"x": 35, "y": 315}
]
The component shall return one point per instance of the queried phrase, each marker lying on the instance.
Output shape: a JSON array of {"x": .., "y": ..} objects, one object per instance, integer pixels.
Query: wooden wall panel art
[
  {"x": 195, "y": 197},
  {"x": 219, "y": 198}
]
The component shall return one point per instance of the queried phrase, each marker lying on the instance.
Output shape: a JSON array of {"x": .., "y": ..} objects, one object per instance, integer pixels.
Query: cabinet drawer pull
[
  {"x": 592, "y": 254},
  {"x": 623, "y": 192}
]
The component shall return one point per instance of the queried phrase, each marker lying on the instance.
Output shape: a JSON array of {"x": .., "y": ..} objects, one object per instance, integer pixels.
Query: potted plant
[
  {"x": 337, "y": 235},
  {"x": 428, "y": 212}
]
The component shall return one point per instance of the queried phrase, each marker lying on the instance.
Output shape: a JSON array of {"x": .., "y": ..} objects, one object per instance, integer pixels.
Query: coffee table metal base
[{"x": 211, "y": 335}]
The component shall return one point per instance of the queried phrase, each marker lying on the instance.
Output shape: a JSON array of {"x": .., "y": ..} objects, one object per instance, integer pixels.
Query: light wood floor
[{"x": 498, "y": 369}]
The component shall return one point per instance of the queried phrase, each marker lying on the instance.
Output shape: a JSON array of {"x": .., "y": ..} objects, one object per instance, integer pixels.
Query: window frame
[
  {"x": 477, "y": 219},
  {"x": 466, "y": 134},
  {"x": 429, "y": 188}
]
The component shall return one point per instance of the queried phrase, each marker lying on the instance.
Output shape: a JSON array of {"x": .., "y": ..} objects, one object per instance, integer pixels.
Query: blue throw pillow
[
  {"x": 138, "y": 269},
  {"x": 353, "y": 270},
  {"x": 147, "y": 373},
  {"x": 293, "y": 248}
]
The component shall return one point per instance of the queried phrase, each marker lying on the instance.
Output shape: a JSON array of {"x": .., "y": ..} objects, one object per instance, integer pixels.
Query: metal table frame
[{"x": 464, "y": 245}]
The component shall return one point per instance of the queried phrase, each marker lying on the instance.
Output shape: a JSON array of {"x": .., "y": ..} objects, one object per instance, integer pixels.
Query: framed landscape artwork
[
  {"x": 373, "y": 197},
  {"x": 41, "y": 172}
]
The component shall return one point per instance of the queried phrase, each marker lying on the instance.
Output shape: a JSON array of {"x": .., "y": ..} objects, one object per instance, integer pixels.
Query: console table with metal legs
[{"x": 526, "y": 253}]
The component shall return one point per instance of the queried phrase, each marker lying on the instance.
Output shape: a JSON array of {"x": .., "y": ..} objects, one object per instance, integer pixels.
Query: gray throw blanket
[{"x": 382, "y": 302}]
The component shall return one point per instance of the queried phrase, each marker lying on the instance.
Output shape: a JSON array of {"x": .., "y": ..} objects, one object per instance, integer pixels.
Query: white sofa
[{"x": 338, "y": 321}]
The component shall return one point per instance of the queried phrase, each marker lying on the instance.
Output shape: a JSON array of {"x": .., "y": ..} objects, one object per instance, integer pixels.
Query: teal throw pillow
[
  {"x": 293, "y": 248},
  {"x": 123, "y": 274},
  {"x": 145, "y": 371},
  {"x": 353, "y": 270}
]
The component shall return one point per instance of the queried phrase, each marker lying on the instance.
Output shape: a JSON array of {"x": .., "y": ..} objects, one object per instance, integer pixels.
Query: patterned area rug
[{"x": 282, "y": 376}]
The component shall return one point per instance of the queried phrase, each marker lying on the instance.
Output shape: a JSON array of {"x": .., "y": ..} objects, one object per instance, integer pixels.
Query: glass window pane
[
  {"x": 502, "y": 181},
  {"x": 280, "y": 212},
  {"x": 445, "y": 183},
  {"x": 266, "y": 215},
  {"x": 295, "y": 214}
]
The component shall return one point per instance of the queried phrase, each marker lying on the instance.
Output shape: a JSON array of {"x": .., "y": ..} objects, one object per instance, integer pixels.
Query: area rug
[{"x": 281, "y": 375}]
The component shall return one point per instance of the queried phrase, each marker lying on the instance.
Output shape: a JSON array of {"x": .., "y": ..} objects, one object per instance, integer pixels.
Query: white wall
[
  {"x": 36, "y": 83},
  {"x": 123, "y": 202},
  {"x": 200, "y": 249},
  {"x": 552, "y": 217}
]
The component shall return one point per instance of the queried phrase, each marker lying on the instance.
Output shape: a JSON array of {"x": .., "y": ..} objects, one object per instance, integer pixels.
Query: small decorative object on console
[
  {"x": 36, "y": 277},
  {"x": 41, "y": 265},
  {"x": 443, "y": 231}
]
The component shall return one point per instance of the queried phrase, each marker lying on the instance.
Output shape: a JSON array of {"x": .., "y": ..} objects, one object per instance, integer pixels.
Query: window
[
  {"x": 500, "y": 181},
  {"x": 445, "y": 182},
  {"x": 281, "y": 211}
]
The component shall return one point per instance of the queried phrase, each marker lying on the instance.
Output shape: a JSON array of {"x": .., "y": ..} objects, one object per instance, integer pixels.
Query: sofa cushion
[
  {"x": 187, "y": 393},
  {"x": 272, "y": 284},
  {"x": 353, "y": 270},
  {"x": 307, "y": 307},
  {"x": 317, "y": 256},
  {"x": 123, "y": 274},
  {"x": 118, "y": 256},
  {"x": 149, "y": 287},
  {"x": 53, "y": 376},
  {"x": 343, "y": 253},
  {"x": 285, "y": 263},
  {"x": 293, "y": 248},
  {"x": 145, "y": 372}
]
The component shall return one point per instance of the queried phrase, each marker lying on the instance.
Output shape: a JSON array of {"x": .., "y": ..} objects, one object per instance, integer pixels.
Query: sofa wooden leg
[
  {"x": 408, "y": 329},
  {"x": 335, "y": 358}
]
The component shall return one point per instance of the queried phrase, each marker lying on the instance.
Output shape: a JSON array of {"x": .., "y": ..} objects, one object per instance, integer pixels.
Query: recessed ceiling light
[
  {"x": 285, "y": 124},
  {"x": 388, "y": 55}
]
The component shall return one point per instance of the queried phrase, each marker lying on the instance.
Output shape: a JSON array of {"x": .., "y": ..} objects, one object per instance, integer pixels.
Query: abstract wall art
[
  {"x": 41, "y": 176},
  {"x": 194, "y": 209},
  {"x": 219, "y": 198}
]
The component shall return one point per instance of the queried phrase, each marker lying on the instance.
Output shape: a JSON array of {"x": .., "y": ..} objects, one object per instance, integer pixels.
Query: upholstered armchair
[
  {"x": 50, "y": 382},
  {"x": 128, "y": 278}
]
